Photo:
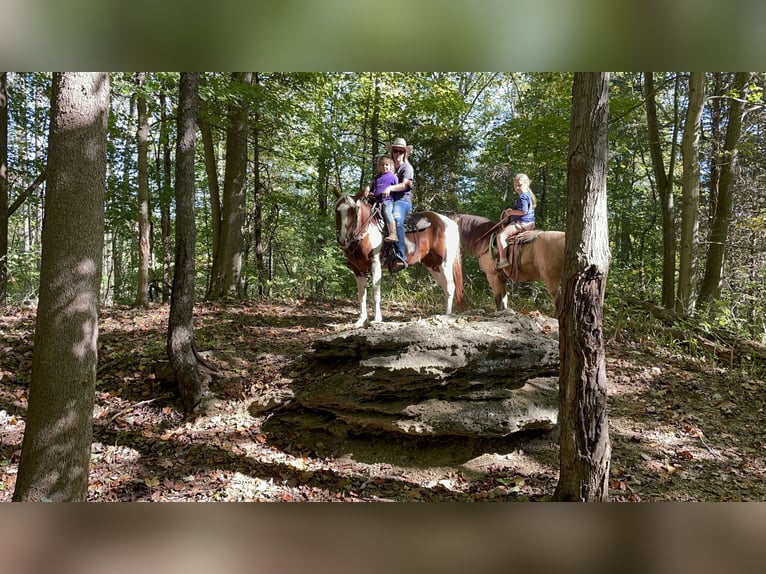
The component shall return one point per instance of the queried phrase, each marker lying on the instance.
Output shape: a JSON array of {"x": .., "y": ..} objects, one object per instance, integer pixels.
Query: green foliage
[{"x": 471, "y": 133}]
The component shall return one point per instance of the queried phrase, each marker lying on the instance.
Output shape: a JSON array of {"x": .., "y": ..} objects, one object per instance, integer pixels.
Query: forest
[{"x": 684, "y": 304}]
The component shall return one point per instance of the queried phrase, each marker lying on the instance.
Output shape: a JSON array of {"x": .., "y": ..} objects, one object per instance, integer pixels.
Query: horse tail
[{"x": 457, "y": 276}]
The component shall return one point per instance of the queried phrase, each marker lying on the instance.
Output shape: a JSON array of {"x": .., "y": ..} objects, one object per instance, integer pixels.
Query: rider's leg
[
  {"x": 502, "y": 247},
  {"x": 402, "y": 208},
  {"x": 388, "y": 215}
]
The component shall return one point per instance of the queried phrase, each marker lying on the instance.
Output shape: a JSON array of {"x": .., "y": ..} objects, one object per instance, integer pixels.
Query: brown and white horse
[
  {"x": 539, "y": 259},
  {"x": 437, "y": 247}
]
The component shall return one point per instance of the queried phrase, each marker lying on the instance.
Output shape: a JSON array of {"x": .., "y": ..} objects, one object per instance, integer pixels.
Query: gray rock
[{"x": 470, "y": 375}]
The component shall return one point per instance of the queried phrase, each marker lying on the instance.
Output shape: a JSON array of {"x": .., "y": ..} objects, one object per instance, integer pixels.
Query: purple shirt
[{"x": 381, "y": 182}]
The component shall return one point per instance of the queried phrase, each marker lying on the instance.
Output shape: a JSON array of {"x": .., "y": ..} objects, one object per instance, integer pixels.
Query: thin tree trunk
[
  {"x": 691, "y": 194},
  {"x": 710, "y": 289},
  {"x": 55, "y": 454},
  {"x": 142, "y": 137},
  {"x": 211, "y": 167},
  {"x": 258, "y": 200},
  {"x": 165, "y": 196},
  {"x": 3, "y": 188},
  {"x": 665, "y": 190},
  {"x": 193, "y": 381},
  {"x": 585, "y": 449}
]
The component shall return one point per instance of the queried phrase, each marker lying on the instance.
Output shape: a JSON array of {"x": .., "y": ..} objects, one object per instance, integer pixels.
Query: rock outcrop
[{"x": 473, "y": 375}]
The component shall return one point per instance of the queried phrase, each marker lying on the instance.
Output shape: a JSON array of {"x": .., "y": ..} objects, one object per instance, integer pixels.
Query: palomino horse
[
  {"x": 437, "y": 247},
  {"x": 542, "y": 258}
]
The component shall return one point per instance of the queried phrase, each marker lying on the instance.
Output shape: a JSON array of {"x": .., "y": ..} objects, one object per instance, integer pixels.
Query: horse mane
[{"x": 472, "y": 227}]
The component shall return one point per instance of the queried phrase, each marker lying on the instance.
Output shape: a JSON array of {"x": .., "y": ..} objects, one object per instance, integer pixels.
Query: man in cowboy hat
[{"x": 402, "y": 195}]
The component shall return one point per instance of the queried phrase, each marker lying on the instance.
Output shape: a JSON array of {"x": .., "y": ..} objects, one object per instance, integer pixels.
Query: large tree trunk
[
  {"x": 584, "y": 439},
  {"x": 3, "y": 188},
  {"x": 691, "y": 194},
  {"x": 193, "y": 381},
  {"x": 55, "y": 454},
  {"x": 710, "y": 289},
  {"x": 665, "y": 189},
  {"x": 233, "y": 209},
  {"x": 142, "y": 137}
]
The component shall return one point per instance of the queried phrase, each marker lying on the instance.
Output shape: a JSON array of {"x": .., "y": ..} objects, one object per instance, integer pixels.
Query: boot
[
  {"x": 502, "y": 264},
  {"x": 391, "y": 237}
]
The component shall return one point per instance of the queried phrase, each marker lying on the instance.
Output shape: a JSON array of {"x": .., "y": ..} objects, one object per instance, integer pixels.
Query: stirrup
[{"x": 502, "y": 264}]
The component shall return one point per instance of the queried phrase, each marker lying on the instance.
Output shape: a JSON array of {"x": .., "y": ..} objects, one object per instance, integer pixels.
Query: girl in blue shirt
[{"x": 522, "y": 217}]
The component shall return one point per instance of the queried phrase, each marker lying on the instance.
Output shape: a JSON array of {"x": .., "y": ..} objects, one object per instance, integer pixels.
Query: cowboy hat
[{"x": 399, "y": 143}]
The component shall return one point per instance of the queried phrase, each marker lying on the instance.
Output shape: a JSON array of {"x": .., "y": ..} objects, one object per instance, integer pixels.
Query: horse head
[{"x": 348, "y": 214}]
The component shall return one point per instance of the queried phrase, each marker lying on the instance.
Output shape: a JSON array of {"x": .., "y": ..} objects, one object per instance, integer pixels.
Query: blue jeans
[
  {"x": 402, "y": 209},
  {"x": 388, "y": 211}
]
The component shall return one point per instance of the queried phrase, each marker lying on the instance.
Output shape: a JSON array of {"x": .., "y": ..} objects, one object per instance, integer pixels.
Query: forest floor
[{"x": 682, "y": 428}]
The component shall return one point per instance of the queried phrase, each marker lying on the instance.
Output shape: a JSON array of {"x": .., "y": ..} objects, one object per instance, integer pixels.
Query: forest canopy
[{"x": 296, "y": 136}]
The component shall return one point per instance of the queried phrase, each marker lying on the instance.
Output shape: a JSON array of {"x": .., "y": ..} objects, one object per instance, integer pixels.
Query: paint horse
[
  {"x": 541, "y": 258},
  {"x": 437, "y": 246}
]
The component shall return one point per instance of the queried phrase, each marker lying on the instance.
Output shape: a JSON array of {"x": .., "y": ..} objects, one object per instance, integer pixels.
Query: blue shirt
[{"x": 524, "y": 203}]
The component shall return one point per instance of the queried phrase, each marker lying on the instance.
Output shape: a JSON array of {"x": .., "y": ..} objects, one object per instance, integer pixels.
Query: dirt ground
[{"x": 682, "y": 428}]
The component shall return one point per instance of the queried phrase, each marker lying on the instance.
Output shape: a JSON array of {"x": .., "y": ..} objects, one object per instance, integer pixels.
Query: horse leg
[
  {"x": 361, "y": 291},
  {"x": 499, "y": 291},
  {"x": 443, "y": 276},
  {"x": 376, "y": 275}
]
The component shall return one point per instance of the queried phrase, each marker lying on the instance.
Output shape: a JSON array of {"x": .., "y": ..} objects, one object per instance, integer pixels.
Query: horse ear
[{"x": 335, "y": 192}]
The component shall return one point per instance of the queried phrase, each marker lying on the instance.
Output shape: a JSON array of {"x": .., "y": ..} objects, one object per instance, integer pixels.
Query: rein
[{"x": 361, "y": 228}]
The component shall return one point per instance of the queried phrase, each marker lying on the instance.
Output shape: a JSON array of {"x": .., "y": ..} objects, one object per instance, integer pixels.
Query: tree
[
  {"x": 192, "y": 379},
  {"x": 710, "y": 289},
  {"x": 55, "y": 453},
  {"x": 664, "y": 181},
  {"x": 144, "y": 248},
  {"x": 3, "y": 188},
  {"x": 584, "y": 430},
  {"x": 226, "y": 279},
  {"x": 691, "y": 194}
]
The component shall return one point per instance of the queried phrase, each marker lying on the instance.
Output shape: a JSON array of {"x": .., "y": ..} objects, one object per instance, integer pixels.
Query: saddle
[
  {"x": 413, "y": 223},
  {"x": 514, "y": 249}
]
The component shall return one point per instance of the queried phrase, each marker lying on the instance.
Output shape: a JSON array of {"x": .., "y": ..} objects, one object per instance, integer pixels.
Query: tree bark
[
  {"x": 55, "y": 453},
  {"x": 233, "y": 207},
  {"x": 165, "y": 197},
  {"x": 258, "y": 200},
  {"x": 665, "y": 190},
  {"x": 3, "y": 188},
  {"x": 710, "y": 290},
  {"x": 585, "y": 449},
  {"x": 211, "y": 168},
  {"x": 142, "y": 138},
  {"x": 691, "y": 194},
  {"x": 193, "y": 381}
]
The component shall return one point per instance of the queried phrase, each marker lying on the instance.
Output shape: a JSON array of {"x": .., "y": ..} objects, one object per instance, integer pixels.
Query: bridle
[{"x": 354, "y": 236}]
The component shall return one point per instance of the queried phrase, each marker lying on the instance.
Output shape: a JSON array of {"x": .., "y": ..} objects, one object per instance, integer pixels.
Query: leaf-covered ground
[{"x": 681, "y": 428}]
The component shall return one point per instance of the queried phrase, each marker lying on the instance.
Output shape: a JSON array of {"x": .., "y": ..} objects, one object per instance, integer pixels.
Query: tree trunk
[
  {"x": 165, "y": 197},
  {"x": 584, "y": 430},
  {"x": 211, "y": 168},
  {"x": 3, "y": 188},
  {"x": 710, "y": 289},
  {"x": 142, "y": 137},
  {"x": 665, "y": 190},
  {"x": 691, "y": 194},
  {"x": 193, "y": 381},
  {"x": 233, "y": 208},
  {"x": 258, "y": 201},
  {"x": 55, "y": 454}
]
